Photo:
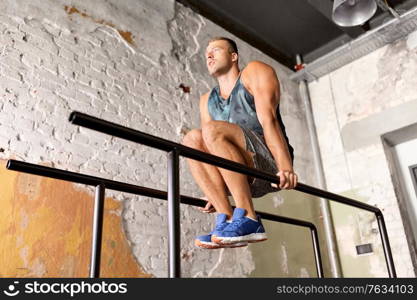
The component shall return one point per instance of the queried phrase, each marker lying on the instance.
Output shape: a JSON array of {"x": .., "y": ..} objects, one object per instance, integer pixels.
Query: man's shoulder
[
  {"x": 204, "y": 97},
  {"x": 256, "y": 66},
  {"x": 256, "y": 71}
]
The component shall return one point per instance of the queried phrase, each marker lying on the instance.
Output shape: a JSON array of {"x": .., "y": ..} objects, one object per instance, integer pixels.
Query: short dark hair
[{"x": 232, "y": 43}]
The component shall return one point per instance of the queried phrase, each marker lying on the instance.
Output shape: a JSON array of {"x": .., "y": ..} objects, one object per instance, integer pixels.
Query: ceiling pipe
[
  {"x": 387, "y": 33},
  {"x": 385, "y": 7},
  {"x": 329, "y": 232}
]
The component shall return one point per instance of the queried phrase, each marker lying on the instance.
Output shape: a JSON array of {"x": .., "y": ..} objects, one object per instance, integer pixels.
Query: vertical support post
[
  {"x": 174, "y": 264},
  {"x": 325, "y": 210},
  {"x": 316, "y": 248},
  {"x": 386, "y": 246},
  {"x": 97, "y": 231}
]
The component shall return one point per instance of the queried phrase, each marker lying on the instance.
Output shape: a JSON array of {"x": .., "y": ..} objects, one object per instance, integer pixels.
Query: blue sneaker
[
  {"x": 204, "y": 241},
  {"x": 242, "y": 229}
]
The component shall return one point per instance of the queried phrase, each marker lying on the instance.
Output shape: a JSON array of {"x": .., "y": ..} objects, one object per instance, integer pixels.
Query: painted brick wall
[{"x": 112, "y": 60}]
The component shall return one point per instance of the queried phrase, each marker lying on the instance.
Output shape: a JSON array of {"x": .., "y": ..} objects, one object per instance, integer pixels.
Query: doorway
[{"x": 401, "y": 150}]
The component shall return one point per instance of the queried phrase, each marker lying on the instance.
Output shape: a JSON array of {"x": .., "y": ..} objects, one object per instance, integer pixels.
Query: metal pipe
[
  {"x": 155, "y": 142},
  {"x": 138, "y": 190},
  {"x": 384, "y": 34},
  {"x": 174, "y": 242},
  {"x": 329, "y": 233},
  {"x": 166, "y": 145},
  {"x": 316, "y": 248},
  {"x": 385, "y": 7},
  {"x": 130, "y": 188},
  {"x": 97, "y": 233},
  {"x": 34, "y": 169}
]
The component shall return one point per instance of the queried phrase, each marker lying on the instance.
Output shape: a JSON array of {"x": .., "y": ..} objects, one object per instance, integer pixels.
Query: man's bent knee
[
  {"x": 212, "y": 131},
  {"x": 193, "y": 138}
]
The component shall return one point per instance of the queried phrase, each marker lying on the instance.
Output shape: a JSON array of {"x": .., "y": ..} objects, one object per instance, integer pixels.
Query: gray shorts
[{"x": 263, "y": 160}]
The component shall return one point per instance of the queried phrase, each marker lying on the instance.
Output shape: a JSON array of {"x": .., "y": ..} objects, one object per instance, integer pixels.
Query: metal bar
[
  {"x": 328, "y": 226},
  {"x": 34, "y": 169},
  {"x": 316, "y": 248},
  {"x": 103, "y": 126},
  {"x": 94, "y": 181},
  {"x": 162, "y": 144},
  {"x": 138, "y": 190},
  {"x": 174, "y": 242},
  {"x": 386, "y": 246},
  {"x": 97, "y": 233},
  {"x": 313, "y": 231}
]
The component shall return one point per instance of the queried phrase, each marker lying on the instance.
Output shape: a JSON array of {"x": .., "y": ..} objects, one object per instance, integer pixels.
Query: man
[{"x": 240, "y": 121}]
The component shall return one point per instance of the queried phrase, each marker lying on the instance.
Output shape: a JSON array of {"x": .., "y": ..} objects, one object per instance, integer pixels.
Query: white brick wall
[{"x": 52, "y": 63}]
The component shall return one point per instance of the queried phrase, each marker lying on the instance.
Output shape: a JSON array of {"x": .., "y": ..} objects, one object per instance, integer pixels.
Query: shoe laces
[
  {"x": 220, "y": 227},
  {"x": 235, "y": 224}
]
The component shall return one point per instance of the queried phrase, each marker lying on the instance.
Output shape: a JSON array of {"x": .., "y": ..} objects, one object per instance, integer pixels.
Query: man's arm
[
  {"x": 204, "y": 114},
  {"x": 261, "y": 80},
  {"x": 204, "y": 118}
]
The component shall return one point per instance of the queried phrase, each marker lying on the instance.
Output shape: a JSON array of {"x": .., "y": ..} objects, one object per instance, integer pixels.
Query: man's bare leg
[
  {"x": 207, "y": 177},
  {"x": 227, "y": 140}
]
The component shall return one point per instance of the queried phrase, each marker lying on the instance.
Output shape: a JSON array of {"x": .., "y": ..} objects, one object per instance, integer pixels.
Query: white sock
[{"x": 252, "y": 219}]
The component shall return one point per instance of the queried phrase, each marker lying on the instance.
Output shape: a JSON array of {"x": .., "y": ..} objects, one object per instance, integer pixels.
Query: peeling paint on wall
[
  {"x": 304, "y": 273},
  {"x": 239, "y": 259},
  {"x": 126, "y": 35},
  {"x": 185, "y": 89},
  {"x": 45, "y": 229},
  {"x": 277, "y": 200},
  {"x": 284, "y": 259}
]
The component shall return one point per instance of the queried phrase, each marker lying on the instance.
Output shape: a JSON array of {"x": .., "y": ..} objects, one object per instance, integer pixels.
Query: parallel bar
[
  {"x": 94, "y": 181},
  {"x": 103, "y": 126},
  {"x": 316, "y": 248},
  {"x": 325, "y": 211},
  {"x": 97, "y": 233},
  {"x": 174, "y": 243},
  {"x": 126, "y": 133},
  {"x": 128, "y": 188},
  {"x": 34, "y": 169},
  {"x": 386, "y": 246}
]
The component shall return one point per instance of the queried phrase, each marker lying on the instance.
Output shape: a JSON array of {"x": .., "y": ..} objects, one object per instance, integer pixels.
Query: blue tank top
[{"x": 240, "y": 109}]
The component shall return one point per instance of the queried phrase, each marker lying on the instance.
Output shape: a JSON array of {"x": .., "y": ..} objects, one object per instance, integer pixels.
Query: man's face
[{"x": 219, "y": 59}]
